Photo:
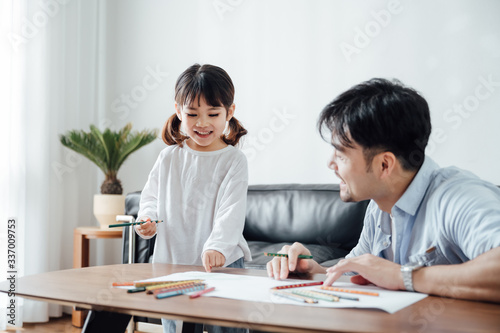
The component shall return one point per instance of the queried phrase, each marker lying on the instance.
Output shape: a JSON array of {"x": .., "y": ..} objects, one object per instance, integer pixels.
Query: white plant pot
[{"x": 106, "y": 207}]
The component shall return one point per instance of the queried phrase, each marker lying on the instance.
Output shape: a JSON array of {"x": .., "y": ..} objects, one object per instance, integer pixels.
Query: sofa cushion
[{"x": 310, "y": 214}]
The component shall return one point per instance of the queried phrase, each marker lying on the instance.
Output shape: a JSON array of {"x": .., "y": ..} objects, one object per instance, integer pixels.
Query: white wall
[
  {"x": 286, "y": 60},
  {"x": 287, "y": 63}
]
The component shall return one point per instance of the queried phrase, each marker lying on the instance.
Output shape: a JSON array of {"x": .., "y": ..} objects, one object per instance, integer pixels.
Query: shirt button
[{"x": 386, "y": 244}]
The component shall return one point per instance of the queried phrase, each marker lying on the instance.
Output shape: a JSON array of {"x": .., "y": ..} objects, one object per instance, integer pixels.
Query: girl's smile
[{"x": 203, "y": 134}]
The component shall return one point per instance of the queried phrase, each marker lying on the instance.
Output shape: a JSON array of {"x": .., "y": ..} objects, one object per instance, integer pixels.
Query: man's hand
[
  {"x": 371, "y": 269},
  {"x": 146, "y": 229},
  {"x": 212, "y": 258},
  {"x": 280, "y": 267}
]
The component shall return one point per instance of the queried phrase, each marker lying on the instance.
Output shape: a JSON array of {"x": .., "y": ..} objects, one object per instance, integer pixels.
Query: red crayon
[
  {"x": 201, "y": 292},
  {"x": 123, "y": 284}
]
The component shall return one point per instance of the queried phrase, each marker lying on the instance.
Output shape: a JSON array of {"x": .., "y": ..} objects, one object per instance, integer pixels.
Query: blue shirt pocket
[{"x": 432, "y": 256}]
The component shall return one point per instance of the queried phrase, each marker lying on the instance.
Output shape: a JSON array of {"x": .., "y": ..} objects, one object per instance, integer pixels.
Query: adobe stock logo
[
  {"x": 71, "y": 161},
  {"x": 277, "y": 124},
  {"x": 30, "y": 28},
  {"x": 372, "y": 28},
  {"x": 470, "y": 104},
  {"x": 138, "y": 93},
  {"x": 455, "y": 115},
  {"x": 223, "y": 6}
]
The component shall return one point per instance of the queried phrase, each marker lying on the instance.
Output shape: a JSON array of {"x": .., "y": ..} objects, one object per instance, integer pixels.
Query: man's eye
[
  {"x": 214, "y": 115},
  {"x": 190, "y": 114}
]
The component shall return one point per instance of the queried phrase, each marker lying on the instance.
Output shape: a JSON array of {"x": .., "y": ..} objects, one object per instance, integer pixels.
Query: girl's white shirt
[{"x": 201, "y": 197}]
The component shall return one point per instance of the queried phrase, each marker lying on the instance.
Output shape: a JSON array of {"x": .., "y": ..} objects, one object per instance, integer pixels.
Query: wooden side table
[{"x": 81, "y": 238}]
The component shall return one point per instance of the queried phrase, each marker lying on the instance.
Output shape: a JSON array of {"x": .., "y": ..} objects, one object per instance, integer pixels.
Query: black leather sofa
[
  {"x": 282, "y": 214},
  {"x": 276, "y": 215}
]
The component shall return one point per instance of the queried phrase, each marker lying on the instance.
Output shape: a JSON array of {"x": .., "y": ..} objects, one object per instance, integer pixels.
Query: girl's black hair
[{"x": 215, "y": 85}]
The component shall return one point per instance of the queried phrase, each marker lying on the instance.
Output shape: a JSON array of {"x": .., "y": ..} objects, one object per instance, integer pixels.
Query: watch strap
[{"x": 407, "y": 273}]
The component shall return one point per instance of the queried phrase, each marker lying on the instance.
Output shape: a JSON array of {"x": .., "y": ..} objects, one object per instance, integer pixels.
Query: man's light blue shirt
[{"x": 446, "y": 216}]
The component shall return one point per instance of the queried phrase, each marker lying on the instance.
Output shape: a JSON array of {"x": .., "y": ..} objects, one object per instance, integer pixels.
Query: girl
[{"x": 198, "y": 185}]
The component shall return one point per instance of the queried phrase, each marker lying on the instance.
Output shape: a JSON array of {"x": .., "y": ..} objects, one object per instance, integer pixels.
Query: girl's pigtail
[
  {"x": 236, "y": 131},
  {"x": 171, "y": 133}
]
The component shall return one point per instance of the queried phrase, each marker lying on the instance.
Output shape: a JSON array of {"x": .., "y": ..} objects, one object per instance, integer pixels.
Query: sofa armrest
[{"x": 143, "y": 249}]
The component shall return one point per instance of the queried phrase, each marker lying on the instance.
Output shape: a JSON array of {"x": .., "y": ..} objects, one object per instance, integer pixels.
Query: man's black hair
[{"x": 380, "y": 115}]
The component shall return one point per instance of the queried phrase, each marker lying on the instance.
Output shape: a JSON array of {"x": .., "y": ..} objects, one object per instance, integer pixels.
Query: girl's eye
[
  {"x": 190, "y": 115},
  {"x": 214, "y": 115}
]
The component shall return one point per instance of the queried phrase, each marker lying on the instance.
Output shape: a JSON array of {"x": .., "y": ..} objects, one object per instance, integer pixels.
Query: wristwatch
[{"x": 407, "y": 272}]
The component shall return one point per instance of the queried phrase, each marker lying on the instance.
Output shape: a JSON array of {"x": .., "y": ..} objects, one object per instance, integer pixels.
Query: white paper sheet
[{"x": 257, "y": 288}]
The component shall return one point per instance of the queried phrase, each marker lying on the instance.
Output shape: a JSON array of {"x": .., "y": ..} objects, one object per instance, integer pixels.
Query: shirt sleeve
[
  {"x": 148, "y": 207},
  {"x": 230, "y": 212},
  {"x": 472, "y": 218}
]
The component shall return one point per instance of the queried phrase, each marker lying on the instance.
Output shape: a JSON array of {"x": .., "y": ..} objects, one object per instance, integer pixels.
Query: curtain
[
  {"x": 50, "y": 57},
  {"x": 12, "y": 149}
]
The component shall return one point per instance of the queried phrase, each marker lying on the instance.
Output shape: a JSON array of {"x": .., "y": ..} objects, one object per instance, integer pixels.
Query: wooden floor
[{"x": 55, "y": 325}]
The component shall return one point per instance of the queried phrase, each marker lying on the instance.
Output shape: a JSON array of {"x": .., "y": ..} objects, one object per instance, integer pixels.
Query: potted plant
[{"x": 108, "y": 150}]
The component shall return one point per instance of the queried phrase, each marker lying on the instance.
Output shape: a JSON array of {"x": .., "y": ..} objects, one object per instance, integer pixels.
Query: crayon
[
  {"x": 301, "y": 256},
  {"x": 299, "y": 285},
  {"x": 201, "y": 292},
  {"x": 339, "y": 296},
  {"x": 176, "y": 287},
  {"x": 342, "y": 290},
  {"x": 297, "y": 298},
  {"x": 179, "y": 292},
  {"x": 163, "y": 284},
  {"x": 136, "y": 290},
  {"x": 133, "y": 223},
  {"x": 123, "y": 284},
  {"x": 316, "y": 295}
]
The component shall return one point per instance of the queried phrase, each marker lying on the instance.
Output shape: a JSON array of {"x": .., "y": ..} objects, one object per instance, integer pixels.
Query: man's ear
[
  {"x": 178, "y": 111},
  {"x": 385, "y": 163},
  {"x": 230, "y": 112}
]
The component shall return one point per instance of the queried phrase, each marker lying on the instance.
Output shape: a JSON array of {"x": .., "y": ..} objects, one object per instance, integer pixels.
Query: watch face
[{"x": 412, "y": 267}]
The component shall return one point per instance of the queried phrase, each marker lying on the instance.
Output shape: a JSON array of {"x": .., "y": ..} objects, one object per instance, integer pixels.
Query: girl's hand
[
  {"x": 146, "y": 229},
  {"x": 212, "y": 258}
]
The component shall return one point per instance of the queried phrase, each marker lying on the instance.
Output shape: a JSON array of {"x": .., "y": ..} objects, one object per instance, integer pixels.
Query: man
[{"x": 427, "y": 229}]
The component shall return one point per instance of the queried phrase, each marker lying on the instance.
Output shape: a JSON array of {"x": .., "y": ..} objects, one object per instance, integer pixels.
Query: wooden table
[
  {"x": 81, "y": 237},
  {"x": 90, "y": 288}
]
